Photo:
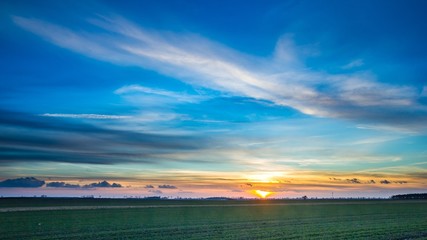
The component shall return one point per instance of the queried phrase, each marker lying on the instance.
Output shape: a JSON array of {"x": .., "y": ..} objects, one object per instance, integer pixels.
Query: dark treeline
[{"x": 410, "y": 196}]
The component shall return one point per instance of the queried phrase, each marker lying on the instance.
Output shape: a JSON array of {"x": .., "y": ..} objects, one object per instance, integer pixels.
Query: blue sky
[{"x": 214, "y": 98}]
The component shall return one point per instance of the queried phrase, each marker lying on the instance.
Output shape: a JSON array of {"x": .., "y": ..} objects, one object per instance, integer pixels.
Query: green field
[{"x": 190, "y": 219}]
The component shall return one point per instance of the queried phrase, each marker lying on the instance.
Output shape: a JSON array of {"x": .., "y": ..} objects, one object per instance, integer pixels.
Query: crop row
[{"x": 267, "y": 222}]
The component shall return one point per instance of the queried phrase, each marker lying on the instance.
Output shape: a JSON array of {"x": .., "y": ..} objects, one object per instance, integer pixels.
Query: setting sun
[{"x": 262, "y": 194}]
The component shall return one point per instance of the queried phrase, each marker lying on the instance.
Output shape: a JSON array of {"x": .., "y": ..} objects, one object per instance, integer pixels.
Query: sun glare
[
  {"x": 266, "y": 177},
  {"x": 262, "y": 194}
]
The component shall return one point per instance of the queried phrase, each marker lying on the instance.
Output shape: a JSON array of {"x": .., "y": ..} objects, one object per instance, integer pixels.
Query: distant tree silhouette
[{"x": 410, "y": 196}]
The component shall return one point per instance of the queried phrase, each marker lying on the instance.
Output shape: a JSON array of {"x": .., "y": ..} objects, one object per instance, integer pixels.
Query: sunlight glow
[
  {"x": 262, "y": 194},
  {"x": 268, "y": 177}
]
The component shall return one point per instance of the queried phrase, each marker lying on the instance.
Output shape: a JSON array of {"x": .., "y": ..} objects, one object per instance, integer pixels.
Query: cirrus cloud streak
[{"x": 280, "y": 79}]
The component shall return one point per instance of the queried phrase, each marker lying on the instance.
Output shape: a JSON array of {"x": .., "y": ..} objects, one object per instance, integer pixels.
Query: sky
[{"x": 213, "y": 98}]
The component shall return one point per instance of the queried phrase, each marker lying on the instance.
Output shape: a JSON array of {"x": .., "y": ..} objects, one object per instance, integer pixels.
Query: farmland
[{"x": 37, "y": 218}]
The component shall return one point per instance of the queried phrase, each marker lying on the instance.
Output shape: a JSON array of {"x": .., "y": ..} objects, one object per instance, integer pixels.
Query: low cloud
[
  {"x": 62, "y": 185},
  {"x": 401, "y": 182},
  {"x": 237, "y": 190},
  {"x": 246, "y": 185},
  {"x": 149, "y": 186},
  {"x": 353, "y": 180},
  {"x": 385, "y": 181},
  {"x": 371, "y": 181},
  {"x": 27, "y": 182},
  {"x": 165, "y": 186},
  {"x": 155, "y": 191},
  {"x": 103, "y": 184}
]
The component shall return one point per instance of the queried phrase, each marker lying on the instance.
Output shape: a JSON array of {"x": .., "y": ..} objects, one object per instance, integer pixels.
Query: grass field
[{"x": 169, "y": 219}]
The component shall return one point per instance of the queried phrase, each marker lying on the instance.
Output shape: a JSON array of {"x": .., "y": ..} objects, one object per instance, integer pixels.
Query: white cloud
[
  {"x": 203, "y": 63},
  {"x": 376, "y": 140},
  {"x": 354, "y": 64},
  {"x": 180, "y": 97},
  {"x": 424, "y": 92},
  {"x": 88, "y": 116},
  {"x": 387, "y": 128},
  {"x": 158, "y": 117}
]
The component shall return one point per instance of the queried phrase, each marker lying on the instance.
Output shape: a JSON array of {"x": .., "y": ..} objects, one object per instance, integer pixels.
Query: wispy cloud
[
  {"x": 375, "y": 140},
  {"x": 424, "y": 92},
  {"x": 204, "y": 63},
  {"x": 88, "y": 116},
  {"x": 354, "y": 64},
  {"x": 180, "y": 97},
  {"x": 55, "y": 140}
]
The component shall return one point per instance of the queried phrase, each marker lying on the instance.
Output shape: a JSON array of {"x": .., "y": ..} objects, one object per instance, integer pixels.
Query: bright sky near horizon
[{"x": 213, "y": 98}]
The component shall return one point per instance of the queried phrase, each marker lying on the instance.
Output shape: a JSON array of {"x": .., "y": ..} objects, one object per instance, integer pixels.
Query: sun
[{"x": 262, "y": 194}]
